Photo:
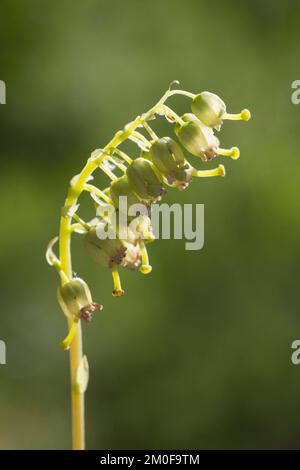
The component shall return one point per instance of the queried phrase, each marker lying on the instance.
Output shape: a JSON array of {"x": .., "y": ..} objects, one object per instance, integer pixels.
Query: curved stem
[
  {"x": 118, "y": 164},
  {"x": 108, "y": 172},
  {"x": 141, "y": 137},
  {"x": 171, "y": 114},
  {"x": 182, "y": 92},
  {"x": 150, "y": 131},
  {"x": 77, "y": 226},
  {"x": 93, "y": 189},
  {"x": 123, "y": 155}
]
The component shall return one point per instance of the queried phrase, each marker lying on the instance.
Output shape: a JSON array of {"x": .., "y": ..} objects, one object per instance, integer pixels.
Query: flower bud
[
  {"x": 144, "y": 179},
  {"x": 107, "y": 252},
  {"x": 197, "y": 138},
  {"x": 75, "y": 299},
  {"x": 209, "y": 108},
  {"x": 168, "y": 158}
]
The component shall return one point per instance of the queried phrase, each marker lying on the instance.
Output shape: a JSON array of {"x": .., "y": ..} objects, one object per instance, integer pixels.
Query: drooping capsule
[
  {"x": 76, "y": 301},
  {"x": 106, "y": 252},
  {"x": 197, "y": 138},
  {"x": 211, "y": 110},
  {"x": 145, "y": 180},
  {"x": 121, "y": 187},
  {"x": 168, "y": 157}
]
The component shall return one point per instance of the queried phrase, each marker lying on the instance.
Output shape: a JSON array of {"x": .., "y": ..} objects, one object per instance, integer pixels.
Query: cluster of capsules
[{"x": 161, "y": 163}]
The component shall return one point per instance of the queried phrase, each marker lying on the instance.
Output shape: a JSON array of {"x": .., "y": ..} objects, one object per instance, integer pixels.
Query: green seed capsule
[
  {"x": 144, "y": 179},
  {"x": 197, "y": 138},
  {"x": 121, "y": 187},
  {"x": 209, "y": 108},
  {"x": 168, "y": 158},
  {"x": 166, "y": 155},
  {"x": 107, "y": 252},
  {"x": 75, "y": 300}
]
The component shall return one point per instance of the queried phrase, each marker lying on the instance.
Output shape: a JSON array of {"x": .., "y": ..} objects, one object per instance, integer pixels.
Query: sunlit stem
[
  {"x": 141, "y": 137},
  {"x": 66, "y": 343},
  {"x": 220, "y": 171},
  {"x": 123, "y": 155},
  {"x": 108, "y": 172},
  {"x": 118, "y": 164},
  {"x": 150, "y": 131},
  {"x": 54, "y": 261},
  {"x": 120, "y": 136},
  {"x": 182, "y": 92},
  {"x": 172, "y": 115},
  {"x": 77, "y": 397},
  {"x": 118, "y": 291},
  {"x": 76, "y": 226},
  {"x": 92, "y": 189},
  {"x": 145, "y": 266},
  {"x": 233, "y": 153},
  {"x": 64, "y": 278},
  {"x": 244, "y": 115},
  {"x": 81, "y": 222},
  {"x": 137, "y": 137},
  {"x": 138, "y": 141}
]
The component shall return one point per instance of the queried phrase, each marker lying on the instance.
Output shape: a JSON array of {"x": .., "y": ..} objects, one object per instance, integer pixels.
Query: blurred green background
[{"x": 197, "y": 355}]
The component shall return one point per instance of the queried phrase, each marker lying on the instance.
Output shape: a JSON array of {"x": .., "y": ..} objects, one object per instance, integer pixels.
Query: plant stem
[{"x": 77, "y": 398}]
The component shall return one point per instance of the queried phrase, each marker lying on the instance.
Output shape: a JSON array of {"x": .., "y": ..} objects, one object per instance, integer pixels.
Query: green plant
[{"x": 161, "y": 164}]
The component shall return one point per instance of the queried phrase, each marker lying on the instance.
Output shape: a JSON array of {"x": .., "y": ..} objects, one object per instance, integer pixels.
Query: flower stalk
[{"x": 161, "y": 163}]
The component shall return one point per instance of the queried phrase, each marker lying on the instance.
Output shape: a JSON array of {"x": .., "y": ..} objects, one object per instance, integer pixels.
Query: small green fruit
[
  {"x": 106, "y": 252},
  {"x": 121, "y": 187},
  {"x": 209, "y": 108},
  {"x": 197, "y": 138},
  {"x": 168, "y": 158},
  {"x": 76, "y": 301},
  {"x": 145, "y": 180}
]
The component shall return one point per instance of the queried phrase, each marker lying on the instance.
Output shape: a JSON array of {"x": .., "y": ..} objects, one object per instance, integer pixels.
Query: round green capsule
[
  {"x": 197, "y": 138},
  {"x": 75, "y": 299},
  {"x": 168, "y": 158},
  {"x": 121, "y": 187},
  {"x": 209, "y": 108},
  {"x": 144, "y": 179},
  {"x": 107, "y": 252}
]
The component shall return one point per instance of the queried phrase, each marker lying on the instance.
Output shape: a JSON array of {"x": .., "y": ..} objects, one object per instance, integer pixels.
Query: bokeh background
[{"x": 197, "y": 355}]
